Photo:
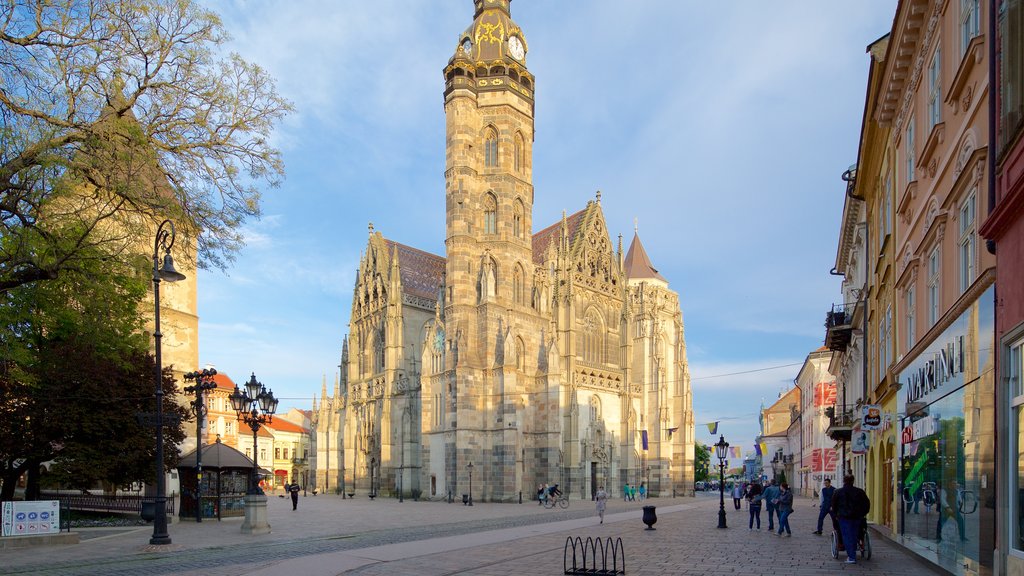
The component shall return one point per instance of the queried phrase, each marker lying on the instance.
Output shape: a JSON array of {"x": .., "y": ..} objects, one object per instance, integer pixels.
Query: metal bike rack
[{"x": 585, "y": 554}]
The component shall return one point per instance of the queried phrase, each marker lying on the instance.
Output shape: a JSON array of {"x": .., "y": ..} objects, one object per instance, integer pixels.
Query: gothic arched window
[
  {"x": 490, "y": 148},
  {"x": 591, "y": 338},
  {"x": 490, "y": 214},
  {"x": 520, "y": 353},
  {"x": 517, "y": 284},
  {"x": 517, "y": 219},
  {"x": 517, "y": 156}
]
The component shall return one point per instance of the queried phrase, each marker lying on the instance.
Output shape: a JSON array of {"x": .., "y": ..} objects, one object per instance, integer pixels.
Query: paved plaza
[{"x": 329, "y": 536}]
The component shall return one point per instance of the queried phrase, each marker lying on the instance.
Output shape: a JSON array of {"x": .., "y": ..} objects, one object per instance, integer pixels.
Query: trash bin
[
  {"x": 465, "y": 499},
  {"x": 650, "y": 517},
  {"x": 148, "y": 511}
]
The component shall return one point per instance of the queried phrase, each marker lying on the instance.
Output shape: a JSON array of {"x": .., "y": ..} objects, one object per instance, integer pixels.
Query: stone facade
[{"x": 520, "y": 358}]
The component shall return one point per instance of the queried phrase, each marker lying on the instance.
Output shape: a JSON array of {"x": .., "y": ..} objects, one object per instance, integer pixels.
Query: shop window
[{"x": 1014, "y": 363}]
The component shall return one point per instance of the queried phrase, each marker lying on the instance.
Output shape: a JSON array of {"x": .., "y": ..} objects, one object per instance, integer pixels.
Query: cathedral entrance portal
[{"x": 593, "y": 480}]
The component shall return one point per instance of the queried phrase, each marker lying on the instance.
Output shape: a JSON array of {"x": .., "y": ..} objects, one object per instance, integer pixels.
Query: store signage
[
  {"x": 871, "y": 417},
  {"x": 943, "y": 366},
  {"x": 919, "y": 429}
]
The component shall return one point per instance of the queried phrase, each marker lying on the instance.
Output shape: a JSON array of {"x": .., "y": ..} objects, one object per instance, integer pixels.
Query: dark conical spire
[{"x": 638, "y": 265}]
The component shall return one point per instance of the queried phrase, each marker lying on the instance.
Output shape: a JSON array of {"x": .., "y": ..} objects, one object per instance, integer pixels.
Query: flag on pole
[
  {"x": 643, "y": 438},
  {"x": 672, "y": 431},
  {"x": 762, "y": 448},
  {"x": 712, "y": 427}
]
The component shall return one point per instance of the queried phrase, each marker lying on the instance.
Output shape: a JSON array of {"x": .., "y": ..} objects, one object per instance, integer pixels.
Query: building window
[
  {"x": 263, "y": 454},
  {"x": 1014, "y": 362},
  {"x": 591, "y": 338},
  {"x": 935, "y": 89},
  {"x": 248, "y": 453},
  {"x": 491, "y": 149},
  {"x": 490, "y": 214},
  {"x": 277, "y": 453},
  {"x": 970, "y": 22},
  {"x": 517, "y": 219},
  {"x": 887, "y": 208},
  {"x": 518, "y": 153},
  {"x": 933, "y": 286},
  {"x": 911, "y": 317},
  {"x": 284, "y": 453},
  {"x": 884, "y": 330},
  {"x": 967, "y": 242},
  {"x": 229, "y": 428},
  {"x": 909, "y": 149},
  {"x": 1011, "y": 70},
  {"x": 517, "y": 285}
]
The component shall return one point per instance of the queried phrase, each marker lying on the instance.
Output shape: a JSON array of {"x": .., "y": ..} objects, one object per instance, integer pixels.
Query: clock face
[
  {"x": 516, "y": 48},
  {"x": 467, "y": 46},
  {"x": 439, "y": 341}
]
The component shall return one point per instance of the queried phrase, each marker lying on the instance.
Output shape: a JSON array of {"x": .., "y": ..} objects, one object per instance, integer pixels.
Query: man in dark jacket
[
  {"x": 851, "y": 505},
  {"x": 293, "y": 489},
  {"x": 825, "y": 506}
]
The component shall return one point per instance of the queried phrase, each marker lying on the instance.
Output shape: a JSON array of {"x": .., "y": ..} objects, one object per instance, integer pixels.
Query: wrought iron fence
[{"x": 104, "y": 502}]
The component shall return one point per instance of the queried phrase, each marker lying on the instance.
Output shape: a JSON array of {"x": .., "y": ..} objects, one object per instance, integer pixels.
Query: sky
[{"x": 720, "y": 128}]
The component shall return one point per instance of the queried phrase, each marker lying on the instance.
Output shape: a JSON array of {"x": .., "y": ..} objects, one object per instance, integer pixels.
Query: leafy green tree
[
  {"x": 701, "y": 460},
  {"x": 116, "y": 114},
  {"x": 74, "y": 375}
]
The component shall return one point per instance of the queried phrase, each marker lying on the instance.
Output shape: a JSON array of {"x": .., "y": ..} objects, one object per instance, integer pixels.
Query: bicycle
[
  {"x": 560, "y": 501},
  {"x": 863, "y": 543}
]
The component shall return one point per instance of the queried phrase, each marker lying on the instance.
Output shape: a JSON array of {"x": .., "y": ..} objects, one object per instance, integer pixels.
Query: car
[{"x": 699, "y": 486}]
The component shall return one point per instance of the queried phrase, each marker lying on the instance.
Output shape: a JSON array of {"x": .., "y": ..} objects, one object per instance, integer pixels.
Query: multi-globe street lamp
[
  {"x": 256, "y": 407},
  {"x": 722, "y": 451},
  {"x": 164, "y": 240},
  {"x": 203, "y": 382}
]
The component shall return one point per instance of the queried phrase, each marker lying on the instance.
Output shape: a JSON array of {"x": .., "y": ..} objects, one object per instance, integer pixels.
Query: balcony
[
  {"x": 298, "y": 461},
  {"x": 840, "y": 423},
  {"x": 839, "y": 327}
]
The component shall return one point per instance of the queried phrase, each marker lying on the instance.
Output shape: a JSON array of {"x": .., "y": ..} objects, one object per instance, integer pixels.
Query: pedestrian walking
[
  {"x": 293, "y": 488},
  {"x": 625, "y": 492},
  {"x": 754, "y": 498},
  {"x": 784, "y": 505},
  {"x": 825, "y": 505},
  {"x": 632, "y": 493},
  {"x": 737, "y": 494},
  {"x": 769, "y": 495},
  {"x": 851, "y": 506},
  {"x": 602, "y": 498},
  {"x": 540, "y": 494},
  {"x": 643, "y": 492}
]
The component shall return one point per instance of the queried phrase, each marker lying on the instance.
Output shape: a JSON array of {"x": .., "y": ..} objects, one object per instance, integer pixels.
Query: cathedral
[{"x": 520, "y": 357}]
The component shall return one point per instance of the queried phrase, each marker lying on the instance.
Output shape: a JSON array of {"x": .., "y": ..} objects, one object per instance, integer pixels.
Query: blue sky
[{"x": 721, "y": 127}]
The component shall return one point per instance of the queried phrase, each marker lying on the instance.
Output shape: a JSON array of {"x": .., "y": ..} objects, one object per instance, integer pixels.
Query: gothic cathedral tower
[{"x": 488, "y": 102}]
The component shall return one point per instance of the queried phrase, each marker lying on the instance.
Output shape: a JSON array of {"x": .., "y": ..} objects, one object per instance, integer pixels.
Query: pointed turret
[{"x": 638, "y": 265}]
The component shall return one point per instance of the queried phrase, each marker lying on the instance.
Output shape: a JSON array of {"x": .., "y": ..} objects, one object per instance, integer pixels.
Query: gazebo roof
[{"x": 217, "y": 456}]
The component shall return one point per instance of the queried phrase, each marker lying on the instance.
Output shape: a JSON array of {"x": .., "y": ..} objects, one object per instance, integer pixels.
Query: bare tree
[{"x": 116, "y": 112}]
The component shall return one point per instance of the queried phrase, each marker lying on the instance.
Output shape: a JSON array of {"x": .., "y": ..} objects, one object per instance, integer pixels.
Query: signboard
[
  {"x": 824, "y": 394},
  {"x": 871, "y": 417},
  {"x": 31, "y": 518},
  {"x": 824, "y": 459},
  {"x": 861, "y": 441}
]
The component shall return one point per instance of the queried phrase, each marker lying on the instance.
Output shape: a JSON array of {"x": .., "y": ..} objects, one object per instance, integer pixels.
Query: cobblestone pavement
[{"x": 329, "y": 536}]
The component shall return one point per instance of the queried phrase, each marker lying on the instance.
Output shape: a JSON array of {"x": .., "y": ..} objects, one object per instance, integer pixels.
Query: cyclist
[
  {"x": 851, "y": 506},
  {"x": 554, "y": 492}
]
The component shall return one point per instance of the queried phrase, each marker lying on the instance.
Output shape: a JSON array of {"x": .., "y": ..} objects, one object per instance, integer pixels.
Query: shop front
[{"x": 946, "y": 477}]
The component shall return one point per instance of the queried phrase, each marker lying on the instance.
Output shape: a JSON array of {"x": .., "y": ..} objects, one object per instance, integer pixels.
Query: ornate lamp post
[
  {"x": 203, "y": 382},
  {"x": 470, "y": 468},
  {"x": 255, "y": 406},
  {"x": 721, "y": 450},
  {"x": 164, "y": 240}
]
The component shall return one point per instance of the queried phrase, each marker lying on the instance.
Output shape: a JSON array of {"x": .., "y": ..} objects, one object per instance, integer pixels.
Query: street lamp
[
  {"x": 255, "y": 406},
  {"x": 721, "y": 450},
  {"x": 470, "y": 468},
  {"x": 164, "y": 240},
  {"x": 203, "y": 382}
]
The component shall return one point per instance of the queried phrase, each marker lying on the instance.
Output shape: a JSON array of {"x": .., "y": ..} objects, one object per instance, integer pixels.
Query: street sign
[{"x": 149, "y": 419}]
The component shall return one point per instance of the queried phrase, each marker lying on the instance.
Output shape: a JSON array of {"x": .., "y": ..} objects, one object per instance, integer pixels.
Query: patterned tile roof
[
  {"x": 542, "y": 239},
  {"x": 421, "y": 271},
  {"x": 282, "y": 425}
]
